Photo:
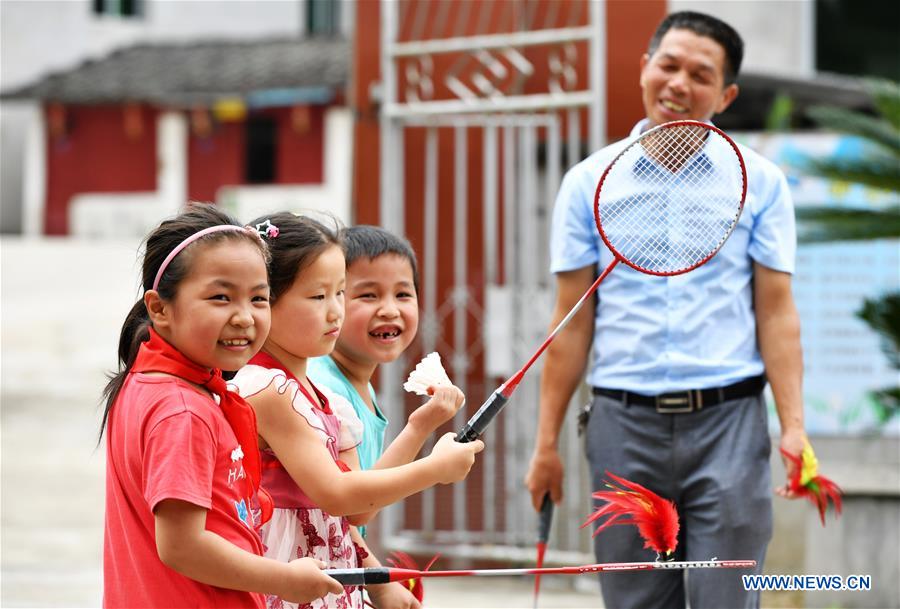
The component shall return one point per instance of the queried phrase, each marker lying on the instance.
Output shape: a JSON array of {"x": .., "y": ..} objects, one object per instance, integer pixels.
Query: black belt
[{"x": 690, "y": 400}]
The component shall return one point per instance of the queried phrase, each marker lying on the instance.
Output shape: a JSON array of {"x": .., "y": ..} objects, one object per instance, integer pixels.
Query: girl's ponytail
[{"x": 135, "y": 330}]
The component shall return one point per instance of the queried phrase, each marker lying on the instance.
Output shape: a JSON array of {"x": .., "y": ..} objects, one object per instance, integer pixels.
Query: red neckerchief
[
  {"x": 156, "y": 355},
  {"x": 266, "y": 360}
]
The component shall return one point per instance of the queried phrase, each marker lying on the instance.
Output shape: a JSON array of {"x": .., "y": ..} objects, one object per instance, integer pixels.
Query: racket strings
[{"x": 675, "y": 201}]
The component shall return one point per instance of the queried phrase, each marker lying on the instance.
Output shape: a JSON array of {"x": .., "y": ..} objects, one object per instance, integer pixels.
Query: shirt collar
[
  {"x": 644, "y": 167},
  {"x": 644, "y": 124}
]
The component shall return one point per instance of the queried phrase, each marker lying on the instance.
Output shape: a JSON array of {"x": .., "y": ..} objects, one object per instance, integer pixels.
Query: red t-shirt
[{"x": 167, "y": 440}]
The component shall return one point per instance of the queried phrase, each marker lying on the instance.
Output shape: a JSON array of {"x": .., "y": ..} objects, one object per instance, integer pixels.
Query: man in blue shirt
[{"x": 679, "y": 362}]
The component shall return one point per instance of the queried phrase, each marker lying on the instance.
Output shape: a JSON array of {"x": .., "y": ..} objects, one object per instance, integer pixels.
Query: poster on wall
[{"x": 844, "y": 360}]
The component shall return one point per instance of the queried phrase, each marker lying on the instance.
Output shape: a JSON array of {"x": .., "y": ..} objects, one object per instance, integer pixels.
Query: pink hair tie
[{"x": 187, "y": 242}]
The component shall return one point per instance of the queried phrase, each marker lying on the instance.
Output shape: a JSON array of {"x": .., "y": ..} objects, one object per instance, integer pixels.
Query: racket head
[{"x": 670, "y": 199}]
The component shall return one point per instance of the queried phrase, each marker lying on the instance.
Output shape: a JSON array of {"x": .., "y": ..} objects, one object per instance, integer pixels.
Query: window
[
  {"x": 323, "y": 17},
  {"x": 858, "y": 38},
  {"x": 260, "y": 150},
  {"x": 118, "y": 8}
]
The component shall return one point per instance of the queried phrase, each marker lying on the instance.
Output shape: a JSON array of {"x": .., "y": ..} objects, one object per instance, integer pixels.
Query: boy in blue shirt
[{"x": 381, "y": 320}]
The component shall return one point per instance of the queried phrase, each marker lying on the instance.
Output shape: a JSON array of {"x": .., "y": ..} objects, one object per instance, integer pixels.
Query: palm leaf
[
  {"x": 779, "y": 116},
  {"x": 820, "y": 224},
  {"x": 875, "y": 171},
  {"x": 887, "y": 403},
  {"x": 875, "y": 130},
  {"x": 883, "y": 315},
  {"x": 886, "y": 95}
]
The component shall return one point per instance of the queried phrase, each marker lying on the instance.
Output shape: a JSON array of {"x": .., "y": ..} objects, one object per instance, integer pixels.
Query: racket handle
[
  {"x": 545, "y": 517},
  {"x": 480, "y": 420},
  {"x": 360, "y": 577}
]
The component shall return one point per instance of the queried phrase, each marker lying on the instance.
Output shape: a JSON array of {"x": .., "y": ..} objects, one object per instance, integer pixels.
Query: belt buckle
[{"x": 679, "y": 402}]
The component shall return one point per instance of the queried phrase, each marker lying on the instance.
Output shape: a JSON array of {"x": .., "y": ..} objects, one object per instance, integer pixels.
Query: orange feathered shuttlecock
[
  {"x": 630, "y": 503},
  {"x": 806, "y": 481},
  {"x": 402, "y": 560}
]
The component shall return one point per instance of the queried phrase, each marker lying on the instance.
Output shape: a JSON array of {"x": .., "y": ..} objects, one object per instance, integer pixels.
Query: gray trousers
[{"x": 714, "y": 464}]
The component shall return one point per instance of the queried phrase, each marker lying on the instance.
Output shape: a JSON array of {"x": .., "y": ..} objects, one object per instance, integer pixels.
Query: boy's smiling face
[{"x": 382, "y": 310}]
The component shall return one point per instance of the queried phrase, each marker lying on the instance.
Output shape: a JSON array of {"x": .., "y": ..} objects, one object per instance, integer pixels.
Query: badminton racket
[
  {"x": 385, "y": 575},
  {"x": 664, "y": 206}
]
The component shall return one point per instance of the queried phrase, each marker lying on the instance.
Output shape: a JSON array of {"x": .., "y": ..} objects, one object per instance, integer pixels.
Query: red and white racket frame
[
  {"x": 476, "y": 425},
  {"x": 669, "y": 125}
]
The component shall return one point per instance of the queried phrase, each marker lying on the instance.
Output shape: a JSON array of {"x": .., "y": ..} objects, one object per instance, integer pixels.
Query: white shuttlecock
[{"x": 427, "y": 373}]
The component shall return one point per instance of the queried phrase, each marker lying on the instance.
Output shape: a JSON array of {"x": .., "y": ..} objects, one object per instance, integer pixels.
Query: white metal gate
[{"x": 523, "y": 157}]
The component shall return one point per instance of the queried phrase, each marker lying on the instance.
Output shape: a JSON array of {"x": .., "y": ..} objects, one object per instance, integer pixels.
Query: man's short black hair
[
  {"x": 711, "y": 27},
  {"x": 365, "y": 241}
]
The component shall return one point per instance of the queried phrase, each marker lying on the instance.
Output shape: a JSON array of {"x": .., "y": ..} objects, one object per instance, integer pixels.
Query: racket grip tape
[
  {"x": 480, "y": 420},
  {"x": 545, "y": 518},
  {"x": 360, "y": 577}
]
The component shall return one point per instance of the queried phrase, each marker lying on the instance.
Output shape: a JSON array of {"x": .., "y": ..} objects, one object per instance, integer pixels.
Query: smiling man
[{"x": 679, "y": 363}]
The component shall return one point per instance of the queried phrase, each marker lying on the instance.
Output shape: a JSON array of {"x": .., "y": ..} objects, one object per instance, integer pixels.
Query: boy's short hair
[
  {"x": 702, "y": 24},
  {"x": 366, "y": 241}
]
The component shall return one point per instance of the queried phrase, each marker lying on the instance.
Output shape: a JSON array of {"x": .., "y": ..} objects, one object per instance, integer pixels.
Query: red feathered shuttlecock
[
  {"x": 806, "y": 482},
  {"x": 629, "y": 503},
  {"x": 402, "y": 560}
]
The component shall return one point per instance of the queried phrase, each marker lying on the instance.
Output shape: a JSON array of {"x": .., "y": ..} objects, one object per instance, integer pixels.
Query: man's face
[{"x": 684, "y": 79}]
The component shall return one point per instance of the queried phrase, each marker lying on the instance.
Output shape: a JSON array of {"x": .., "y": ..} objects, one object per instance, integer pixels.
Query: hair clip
[{"x": 267, "y": 229}]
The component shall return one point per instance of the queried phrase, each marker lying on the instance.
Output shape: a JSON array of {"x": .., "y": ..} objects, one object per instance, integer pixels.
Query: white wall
[
  {"x": 779, "y": 35},
  {"x": 39, "y": 37}
]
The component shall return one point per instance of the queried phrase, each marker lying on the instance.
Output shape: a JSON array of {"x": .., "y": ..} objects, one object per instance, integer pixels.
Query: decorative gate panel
[{"x": 484, "y": 104}]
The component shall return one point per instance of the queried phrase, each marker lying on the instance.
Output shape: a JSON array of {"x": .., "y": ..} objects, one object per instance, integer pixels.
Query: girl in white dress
[{"x": 306, "y": 437}]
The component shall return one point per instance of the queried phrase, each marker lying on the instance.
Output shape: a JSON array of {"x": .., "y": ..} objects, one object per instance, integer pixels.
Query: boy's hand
[
  {"x": 307, "y": 582},
  {"x": 454, "y": 459},
  {"x": 392, "y": 596},
  {"x": 445, "y": 402}
]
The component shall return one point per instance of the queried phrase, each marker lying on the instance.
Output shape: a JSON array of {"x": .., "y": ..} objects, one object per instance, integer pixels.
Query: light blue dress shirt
[{"x": 697, "y": 330}]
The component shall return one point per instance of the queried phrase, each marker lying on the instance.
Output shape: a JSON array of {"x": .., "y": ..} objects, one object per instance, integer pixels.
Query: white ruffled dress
[{"x": 298, "y": 528}]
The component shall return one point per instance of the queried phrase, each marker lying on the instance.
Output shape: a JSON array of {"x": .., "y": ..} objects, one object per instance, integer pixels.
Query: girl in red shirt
[{"x": 182, "y": 479}]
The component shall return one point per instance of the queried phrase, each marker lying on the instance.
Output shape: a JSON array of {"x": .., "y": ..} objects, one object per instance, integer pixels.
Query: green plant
[
  {"x": 878, "y": 167},
  {"x": 883, "y": 315}
]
